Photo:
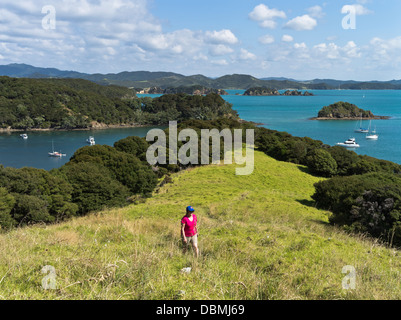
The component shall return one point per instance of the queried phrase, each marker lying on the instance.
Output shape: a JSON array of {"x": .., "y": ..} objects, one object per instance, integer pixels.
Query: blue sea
[{"x": 283, "y": 113}]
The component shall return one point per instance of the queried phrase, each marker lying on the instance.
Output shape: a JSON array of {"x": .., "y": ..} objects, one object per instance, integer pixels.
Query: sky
[{"x": 303, "y": 40}]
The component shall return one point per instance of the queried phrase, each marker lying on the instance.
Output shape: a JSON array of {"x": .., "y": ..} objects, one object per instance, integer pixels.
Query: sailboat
[
  {"x": 361, "y": 129},
  {"x": 372, "y": 135},
  {"x": 55, "y": 153}
]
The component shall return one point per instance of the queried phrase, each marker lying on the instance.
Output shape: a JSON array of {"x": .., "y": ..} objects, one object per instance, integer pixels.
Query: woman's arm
[{"x": 183, "y": 233}]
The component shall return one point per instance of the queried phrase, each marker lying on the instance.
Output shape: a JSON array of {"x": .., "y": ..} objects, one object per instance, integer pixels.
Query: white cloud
[
  {"x": 287, "y": 38},
  {"x": 351, "y": 50},
  {"x": 357, "y": 8},
  {"x": 300, "y": 45},
  {"x": 221, "y": 62},
  {"x": 266, "y": 39},
  {"x": 220, "y": 50},
  {"x": 246, "y": 55},
  {"x": 221, "y": 37},
  {"x": 301, "y": 23},
  {"x": 316, "y": 12},
  {"x": 266, "y": 16}
]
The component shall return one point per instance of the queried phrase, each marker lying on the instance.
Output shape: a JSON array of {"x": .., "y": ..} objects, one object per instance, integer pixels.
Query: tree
[
  {"x": 322, "y": 163},
  {"x": 7, "y": 202},
  {"x": 94, "y": 187}
]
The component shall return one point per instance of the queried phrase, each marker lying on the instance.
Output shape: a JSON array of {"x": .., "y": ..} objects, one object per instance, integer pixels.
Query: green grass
[{"x": 260, "y": 238}]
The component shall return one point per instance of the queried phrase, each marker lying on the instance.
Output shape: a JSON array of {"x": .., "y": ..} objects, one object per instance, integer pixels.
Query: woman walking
[{"x": 189, "y": 230}]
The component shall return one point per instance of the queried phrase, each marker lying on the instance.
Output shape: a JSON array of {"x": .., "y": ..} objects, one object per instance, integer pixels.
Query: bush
[
  {"x": 125, "y": 168},
  {"x": 94, "y": 187},
  {"x": 133, "y": 145},
  {"x": 322, "y": 163},
  {"x": 368, "y": 203}
]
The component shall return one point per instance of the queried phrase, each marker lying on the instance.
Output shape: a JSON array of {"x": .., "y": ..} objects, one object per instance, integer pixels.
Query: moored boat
[
  {"x": 91, "y": 141},
  {"x": 350, "y": 143}
]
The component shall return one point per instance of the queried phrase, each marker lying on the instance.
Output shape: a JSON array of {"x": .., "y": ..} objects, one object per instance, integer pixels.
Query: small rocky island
[
  {"x": 345, "y": 111},
  {"x": 262, "y": 91}
]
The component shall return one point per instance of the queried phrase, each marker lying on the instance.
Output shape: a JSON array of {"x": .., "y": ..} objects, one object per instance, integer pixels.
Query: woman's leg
[{"x": 195, "y": 245}]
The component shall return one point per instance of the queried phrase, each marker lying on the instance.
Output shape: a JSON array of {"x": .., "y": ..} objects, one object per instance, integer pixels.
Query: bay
[
  {"x": 33, "y": 152},
  {"x": 292, "y": 113},
  {"x": 282, "y": 113}
]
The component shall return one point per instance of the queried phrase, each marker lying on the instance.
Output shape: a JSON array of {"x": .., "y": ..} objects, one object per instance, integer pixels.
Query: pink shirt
[{"x": 190, "y": 226}]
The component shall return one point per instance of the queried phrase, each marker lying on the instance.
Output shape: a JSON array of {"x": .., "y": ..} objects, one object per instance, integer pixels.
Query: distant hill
[
  {"x": 47, "y": 104},
  {"x": 147, "y": 79}
]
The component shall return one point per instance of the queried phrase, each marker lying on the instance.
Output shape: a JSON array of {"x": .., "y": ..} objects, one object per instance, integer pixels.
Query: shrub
[
  {"x": 94, "y": 186},
  {"x": 366, "y": 203},
  {"x": 322, "y": 163}
]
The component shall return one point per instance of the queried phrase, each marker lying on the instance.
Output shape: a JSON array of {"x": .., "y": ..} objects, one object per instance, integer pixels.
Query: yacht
[
  {"x": 24, "y": 136},
  {"x": 350, "y": 143},
  {"x": 361, "y": 129},
  {"x": 372, "y": 135},
  {"x": 56, "y": 153},
  {"x": 91, "y": 141}
]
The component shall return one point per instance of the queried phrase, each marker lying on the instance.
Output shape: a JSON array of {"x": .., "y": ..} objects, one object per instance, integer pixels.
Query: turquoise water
[
  {"x": 291, "y": 114},
  {"x": 283, "y": 113},
  {"x": 33, "y": 152}
]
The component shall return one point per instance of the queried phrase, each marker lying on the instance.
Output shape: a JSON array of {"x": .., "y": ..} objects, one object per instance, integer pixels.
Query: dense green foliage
[
  {"x": 341, "y": 110},
  {"x": 94, "y": 186},
  {"x": 33, "y": 195},
  {"x": 191, "y": 90},
  {"x": 263, "y": 91},
  {"x": 179, "y": 107},
  {"x": 71, "y": 104},
  {"x": 368, "y": 203}
]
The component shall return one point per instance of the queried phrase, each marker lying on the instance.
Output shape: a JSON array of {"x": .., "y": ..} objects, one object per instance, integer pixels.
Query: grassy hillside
[{"x": 260, "y": 238}]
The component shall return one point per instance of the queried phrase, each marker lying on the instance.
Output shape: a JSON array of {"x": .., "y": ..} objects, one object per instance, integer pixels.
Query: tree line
[{"x": 75, "y": 104}]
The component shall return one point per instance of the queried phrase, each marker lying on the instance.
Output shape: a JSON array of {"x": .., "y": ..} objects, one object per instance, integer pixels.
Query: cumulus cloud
[
  {"x": 246, "y": 55},
  {"x": 301, "y": 23},
  {"x": 316, "y": 12},
  {"x": 221, "y": 37},
  {"x": 358, "y": 9},
  {"x": 287, "y": 38},
  {"x": 266, "y": 16},
  {"x": 90, "y": 32},
  {"x": 266, "y": 39},
  {"x": 220, "y": 50}
]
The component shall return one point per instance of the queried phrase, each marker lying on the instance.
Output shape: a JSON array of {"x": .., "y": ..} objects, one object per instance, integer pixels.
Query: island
[
  {"x": 346, "y": 111},
  {"x": 262, "y": 91},
  {"x": 192, "y": 90}
]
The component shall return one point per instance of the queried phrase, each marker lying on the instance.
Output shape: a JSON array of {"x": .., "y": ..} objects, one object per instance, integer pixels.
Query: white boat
[
  {"x": 361, "y": 129},
  {"x": 24, "y": 136},
  {"x": 350, "y": 143},
  {"x": 56, "y": 153},
  {"x": 91, "y": 141},
  {"x": 372, "y": 135}
]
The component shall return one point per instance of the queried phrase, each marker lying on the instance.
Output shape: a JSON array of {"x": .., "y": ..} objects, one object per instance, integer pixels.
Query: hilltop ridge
[{"x": 147, "y": 79}]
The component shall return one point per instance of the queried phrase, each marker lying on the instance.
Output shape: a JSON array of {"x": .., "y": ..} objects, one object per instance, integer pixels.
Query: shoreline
[
  {"x": 354, "y": 119},
  {"x": 97, "y": 127}
]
